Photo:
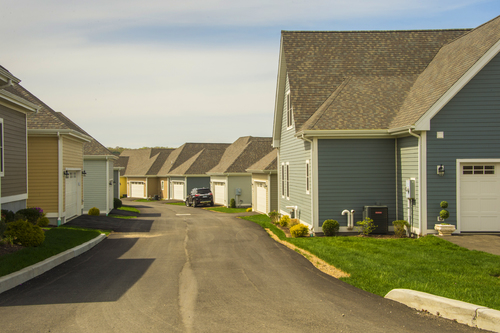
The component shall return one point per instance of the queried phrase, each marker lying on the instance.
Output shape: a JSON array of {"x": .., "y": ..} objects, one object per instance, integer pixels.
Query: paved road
[{"x": 180, "y": 269}]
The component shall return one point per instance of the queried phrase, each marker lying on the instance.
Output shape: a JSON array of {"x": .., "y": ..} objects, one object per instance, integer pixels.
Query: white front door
[
  {"x": 480, "y": 197},
  {"x": 220, "y": 193},
  {"x": 71, "y": 195},
  {"x": 261, "y": 197},
  {"x": 178, "y": 190},
  {"x": 137, "y": 190}
]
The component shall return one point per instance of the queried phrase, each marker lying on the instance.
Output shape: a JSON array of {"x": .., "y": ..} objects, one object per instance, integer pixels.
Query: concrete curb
[
  {"x": 465, "y": 313},
  {"x": 14, "y": 279}
]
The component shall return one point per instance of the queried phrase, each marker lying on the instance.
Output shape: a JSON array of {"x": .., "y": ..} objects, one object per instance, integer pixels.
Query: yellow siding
[
  {"x": 43, "y": 173},
  {"x": 164, "y": 192},
  {"x": 123, "y": 186},
  {"x": 153, "y": 187},
  {"x": 72, "y": 158}
]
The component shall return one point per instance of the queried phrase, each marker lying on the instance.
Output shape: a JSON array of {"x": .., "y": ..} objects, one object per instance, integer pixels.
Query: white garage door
[
  {"x": 71, "y": 195},
  {"x": 178, "y": 190},
  {"x": 480, "y": 197},
  {"x": 220, "y": 193},
  {"x": 137, "y": 190},
  {"x": 261, "y": 197}
]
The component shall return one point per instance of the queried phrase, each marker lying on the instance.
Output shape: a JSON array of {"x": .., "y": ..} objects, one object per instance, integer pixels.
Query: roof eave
[
  {"x": 22, "y": 104},
  {"x": 50, "y": 132},
  {"x": 351, "y": 134}
]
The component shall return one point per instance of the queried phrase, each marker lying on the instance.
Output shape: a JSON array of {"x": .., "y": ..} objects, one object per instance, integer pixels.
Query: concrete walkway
[{"x": 481, "y": 242}]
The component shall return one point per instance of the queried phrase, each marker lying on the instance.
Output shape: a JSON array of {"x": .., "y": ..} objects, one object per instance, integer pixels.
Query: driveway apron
[{"x": 183, "y": 269}]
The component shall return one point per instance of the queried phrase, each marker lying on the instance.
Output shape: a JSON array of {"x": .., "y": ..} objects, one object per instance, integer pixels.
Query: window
[
  {"x": 289, "y": 116},
  {"x": 288, "y": 181},
  {"x": 1, "y": 149},
  {"x": 308, "y": 177},
  {"x": 162, "y": 185},
  {"x": 478, "y": 170},
  {"x": 283, "y": 180}
]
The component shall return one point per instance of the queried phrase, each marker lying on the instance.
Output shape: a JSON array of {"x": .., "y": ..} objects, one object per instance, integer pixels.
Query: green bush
[
  {"x": 25, "y": 233},
  {"x": 293, "y": 222},
  {"x": 444, "y": 204},
  {"x": 43, "y": 222},
  {"x": 299, "y": 230},
  {"x": 274, "y": 216},
  {"x": 3, "y": 226},
  {"x": 117, "y": 203},
  {"x": 232, "y": 203},
  {"x": 8, "y": 215},
  {"x": 399, "y": 228},
  {"x": 330, "y": 227},
  {"x": 284, "y": 221},
  {"x": 366, "y": 226},
  {"x": 444, "y": 214},
  {"x": 249, "y": 209},
  {"x": 29, "y": 214},
  {"x": 94, "y": 211}
]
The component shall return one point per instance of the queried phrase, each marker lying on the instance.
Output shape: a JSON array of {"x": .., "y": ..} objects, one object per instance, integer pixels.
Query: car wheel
[
  {"x": 212, "y": 204},
  {"x": 187, "y": 203},
  {"x": 194, "y": 203}
]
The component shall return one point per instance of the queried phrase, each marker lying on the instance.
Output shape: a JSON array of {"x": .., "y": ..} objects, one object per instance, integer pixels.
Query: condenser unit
[{"x": 380, "y": 217}]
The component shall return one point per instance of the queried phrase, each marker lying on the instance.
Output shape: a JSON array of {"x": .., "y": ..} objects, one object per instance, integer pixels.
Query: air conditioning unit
[{"x": 380, "y": 217}]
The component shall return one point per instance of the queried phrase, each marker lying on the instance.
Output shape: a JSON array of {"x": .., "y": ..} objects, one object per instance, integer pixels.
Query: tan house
[
  {"x": 55, "y": 161},
  {"x": 13, "y": 144}
]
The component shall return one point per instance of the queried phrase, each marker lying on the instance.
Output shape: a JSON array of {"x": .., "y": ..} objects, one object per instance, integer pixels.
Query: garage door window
[{"x": 478, "y": 170}]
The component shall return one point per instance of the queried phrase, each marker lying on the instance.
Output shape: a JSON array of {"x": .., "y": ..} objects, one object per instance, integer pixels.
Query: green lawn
[
  {"x": 125, "y": 217},
  {"x": 130, "y": 209},
  {"x": 227, "y": 210},
  {"x": 182, "y": 203},
  {"x": 145, "y": 200},
  {"x": 57, "y": 240},
  {"x": 429, "y": 264}
]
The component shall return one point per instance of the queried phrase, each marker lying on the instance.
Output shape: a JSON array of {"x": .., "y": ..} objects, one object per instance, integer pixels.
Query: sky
[{"x": 162, "y": 73}]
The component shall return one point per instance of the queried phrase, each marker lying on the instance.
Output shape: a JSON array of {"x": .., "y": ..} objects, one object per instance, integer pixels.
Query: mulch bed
[{"x": 7, "y": 249}]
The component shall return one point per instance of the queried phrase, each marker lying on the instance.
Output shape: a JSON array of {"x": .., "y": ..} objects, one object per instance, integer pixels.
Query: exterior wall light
[
  {"x": 84, "y": 173},
  {"x": 66, "y": 173},
  {"x": 440, "y": 170}
]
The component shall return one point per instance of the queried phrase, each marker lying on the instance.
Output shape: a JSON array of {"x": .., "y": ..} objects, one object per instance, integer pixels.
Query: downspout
[
  {"x": 310, "y": 179},
  {"x": 60, "y": 187},
  {"x": 410, "y": 201}
]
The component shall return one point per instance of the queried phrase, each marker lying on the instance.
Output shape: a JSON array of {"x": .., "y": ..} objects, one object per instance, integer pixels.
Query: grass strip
[
  {"x": 145, "y": 200},
  {"x": 226, "y": 210},
  {"x": 429, "y": 264},
  {"x": 125, "y": 217},
  {"x": 57, "y": 240},
  {"x": 182, "y": 203},
  {"x": 130, "y": 209}
]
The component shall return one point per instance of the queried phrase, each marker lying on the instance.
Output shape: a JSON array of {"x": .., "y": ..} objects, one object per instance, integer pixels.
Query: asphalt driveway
[{"x": 182, "y": 269}]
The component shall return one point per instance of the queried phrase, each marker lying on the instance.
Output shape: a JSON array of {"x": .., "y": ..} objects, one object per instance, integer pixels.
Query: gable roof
[
  {"x": 143, "y": 162},
  {"x": 241, "y": 154},
  {"x": 267, "y": 163}
]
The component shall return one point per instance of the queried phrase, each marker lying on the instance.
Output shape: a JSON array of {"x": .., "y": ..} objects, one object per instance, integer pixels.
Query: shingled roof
[
  {"x": 267, "y": 163},
  {"x": 242, "y": 153},
  {"x": 207, "y": 156},
  {"x": 144, "y": 162},
  {"x": 356, "y": 79}
]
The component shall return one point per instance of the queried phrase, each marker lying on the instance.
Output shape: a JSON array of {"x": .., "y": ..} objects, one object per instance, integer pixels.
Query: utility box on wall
[
  {"x": 380, "y": 217},
  {"x": 410, "y": 189}
]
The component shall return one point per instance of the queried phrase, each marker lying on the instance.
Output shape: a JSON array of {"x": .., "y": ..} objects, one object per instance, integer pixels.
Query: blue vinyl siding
[
  {"x": 407, "y": 169},
  {"x": 295, "y": 152},
  {"x": 95, "y": 187},
  {"x": 471, "y": 123},
  {"x": 355, "y": 173}
]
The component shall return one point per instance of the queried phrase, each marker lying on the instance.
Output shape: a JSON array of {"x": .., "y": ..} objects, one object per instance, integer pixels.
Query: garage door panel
[
  {"x": 137, "y": 190},
  {"x": 261, "y": 197},
  {"x": 220, "y": 193},
  {"x": 178, "y": 190}
]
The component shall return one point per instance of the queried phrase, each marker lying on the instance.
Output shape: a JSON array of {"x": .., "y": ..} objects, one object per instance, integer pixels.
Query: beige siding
[
  {"x": 43, "y": 173},
  {"x": 72, "y": 158},
  {"x": 153, "y": 187},
  {"x": 164, "y": 192}
]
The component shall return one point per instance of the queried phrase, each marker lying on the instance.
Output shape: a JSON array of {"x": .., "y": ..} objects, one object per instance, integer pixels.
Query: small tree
[
  {"x": 399, "y": 228},
  {"x": 330, "y": 227},
  {"x": 366, "y": 226},
  {"x": 444, "y": 214},
  {"x": 274, "y": 216},
  {"x": 232, "y": 203}
]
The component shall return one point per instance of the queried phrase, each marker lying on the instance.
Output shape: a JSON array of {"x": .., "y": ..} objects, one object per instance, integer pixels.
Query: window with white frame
[
  {"x": 1, "y": 149},
  {"x": 289, "y": 116},
  {"x": 162, "y": 185},
  {"x": 308, "y": 177},
  {"x": 287, "y": 180},
  {"x": 283, "y": 180}
]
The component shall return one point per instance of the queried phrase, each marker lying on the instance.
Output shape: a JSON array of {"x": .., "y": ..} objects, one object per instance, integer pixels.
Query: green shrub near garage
[{"x": 24, "y": 233}]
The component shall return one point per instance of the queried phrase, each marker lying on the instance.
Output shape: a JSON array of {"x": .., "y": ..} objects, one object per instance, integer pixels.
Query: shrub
[
  {"x": 366, "y": 226},
  {"x": 274, "y": 216},
  {"x": 284, "y": 220},
  {"x": 232, "y": 203},
  {"x": 444, "y": 204},
  {"x": 330, "y": 227},
  {"x": 249, "y": 209},
  {"x": 94, "y": 211},
  {"x": 117, "y": 203},
  {"x": 25, "y": 233},
  {"x": 399, "y": 228},
  {"x": 299, "y": 230},
  {"x": 9, "y": 215},
  {"x": 444, "y": 214},
  {"x": 293, "y": 222},
  {"x": 43, "y": 222},
  {"x": 29, "y": 214},
  {"x": 3, "y": 226}
]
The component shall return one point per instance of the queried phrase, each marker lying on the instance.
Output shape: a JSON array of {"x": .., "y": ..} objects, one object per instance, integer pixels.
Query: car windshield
[{"x": 204, "y": 190}]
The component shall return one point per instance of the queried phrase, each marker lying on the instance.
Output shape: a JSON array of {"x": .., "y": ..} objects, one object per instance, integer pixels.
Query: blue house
[{"x": 390, "y": 123}]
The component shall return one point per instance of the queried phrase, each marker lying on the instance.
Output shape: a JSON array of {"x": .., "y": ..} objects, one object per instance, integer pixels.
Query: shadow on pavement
[
  {"x": 111, "y": 223},
  {"x": 95, "y": 276}
]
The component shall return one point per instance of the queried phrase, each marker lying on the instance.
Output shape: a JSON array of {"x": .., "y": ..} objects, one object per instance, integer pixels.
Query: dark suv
[{"x": 199, "y": 196}]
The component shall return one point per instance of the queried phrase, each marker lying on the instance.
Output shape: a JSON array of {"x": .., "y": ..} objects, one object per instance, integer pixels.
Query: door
[
  {"x": 178, "y": 190},
  {"x": 480, "y": 197},
  {"x": 261, "y": 197},
  {"x": 220, "y": 193},
  {"x": 137, "y": 190},
  {"x": 71, "y": 192}
]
